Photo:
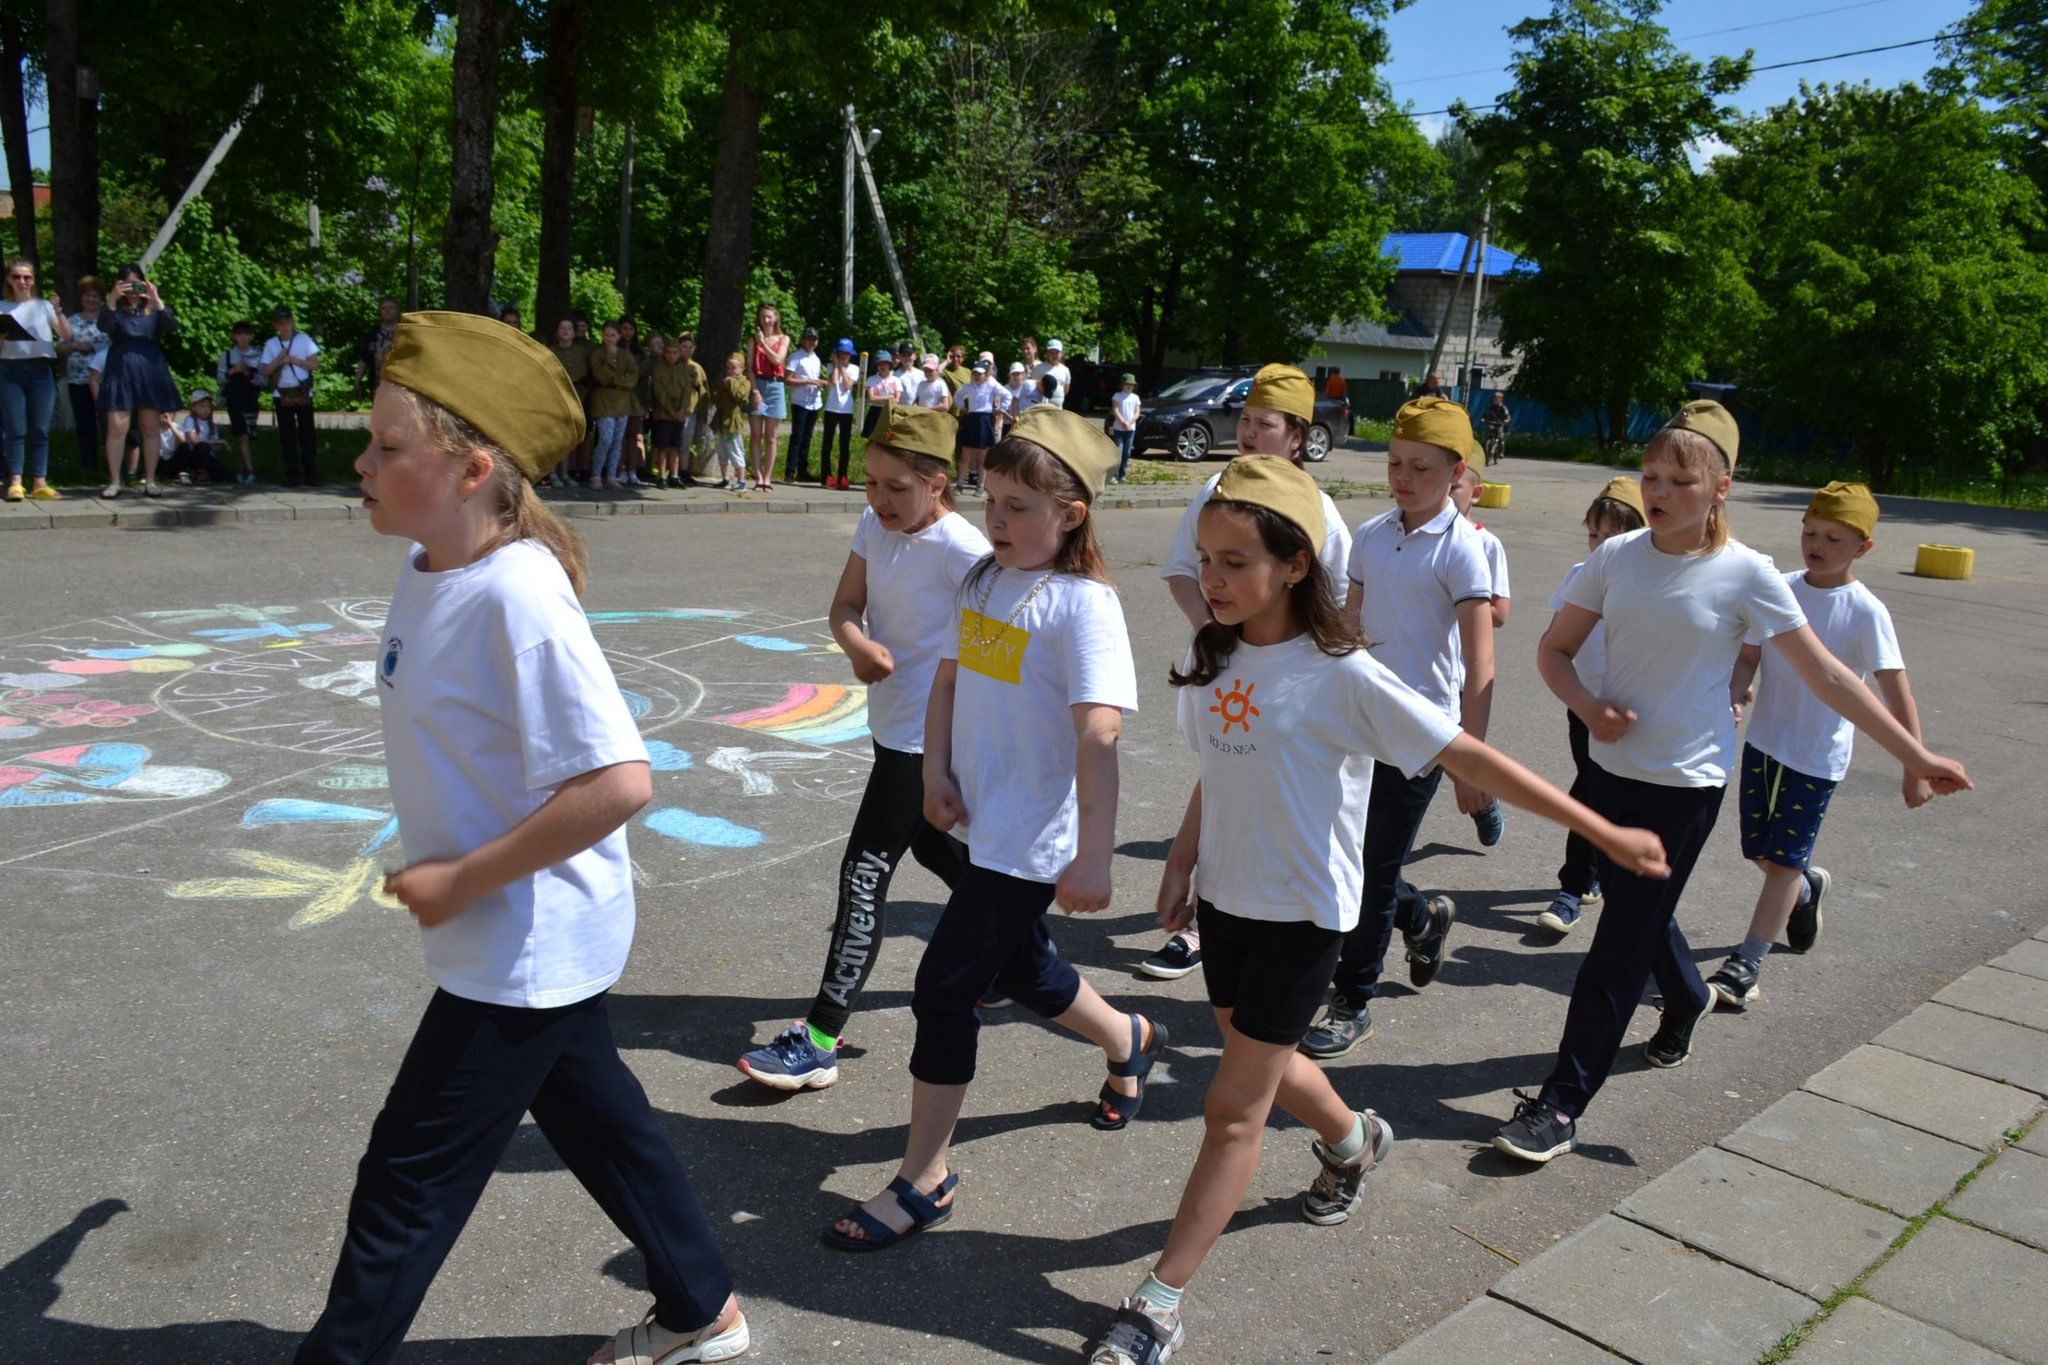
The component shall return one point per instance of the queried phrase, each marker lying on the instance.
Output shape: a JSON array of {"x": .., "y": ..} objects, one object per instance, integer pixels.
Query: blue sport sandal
[
  {"x": 1113, "y": 1111},
  {"x": 924, "y": 1211}
]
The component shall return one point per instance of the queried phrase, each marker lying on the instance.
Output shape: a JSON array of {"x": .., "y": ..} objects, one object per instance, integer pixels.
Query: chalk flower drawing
[{"x": 326, "y": 892}]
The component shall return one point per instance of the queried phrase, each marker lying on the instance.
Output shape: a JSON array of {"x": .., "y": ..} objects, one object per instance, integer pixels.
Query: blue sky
[{"x": 1445, "y": 50}]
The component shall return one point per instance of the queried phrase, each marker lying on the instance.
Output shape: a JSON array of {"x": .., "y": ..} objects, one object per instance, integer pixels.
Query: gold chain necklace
[{"x": 981, "y": 614}]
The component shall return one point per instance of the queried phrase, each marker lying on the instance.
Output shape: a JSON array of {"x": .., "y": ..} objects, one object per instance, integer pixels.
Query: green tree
[
  {"x": 2000, "y": 55},
  {"x": 1639, "y": 271},
  {"x": 1905, "y": 313}
]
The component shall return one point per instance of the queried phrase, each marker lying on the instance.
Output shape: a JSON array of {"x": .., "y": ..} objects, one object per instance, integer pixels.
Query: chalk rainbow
[{"x": 813, "y": 713}]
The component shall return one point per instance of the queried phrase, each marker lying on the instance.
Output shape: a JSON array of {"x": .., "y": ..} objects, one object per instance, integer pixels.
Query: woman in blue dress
[{"x": 137, "y": 384}]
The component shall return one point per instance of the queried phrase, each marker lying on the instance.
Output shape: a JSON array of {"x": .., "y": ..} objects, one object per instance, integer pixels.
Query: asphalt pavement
[{"x": 202, "y": 1000}]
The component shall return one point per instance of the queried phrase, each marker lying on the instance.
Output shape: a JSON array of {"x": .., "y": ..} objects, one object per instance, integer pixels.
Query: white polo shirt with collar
[{"x": 1411, "y": 583}]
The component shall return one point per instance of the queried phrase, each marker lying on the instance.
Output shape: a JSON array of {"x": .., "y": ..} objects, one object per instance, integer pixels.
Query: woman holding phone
[{"x": 137, "y": 384}]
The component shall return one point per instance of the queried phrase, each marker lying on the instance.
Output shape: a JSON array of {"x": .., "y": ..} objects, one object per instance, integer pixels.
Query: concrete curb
[{"x": 1894, "y": 1207}]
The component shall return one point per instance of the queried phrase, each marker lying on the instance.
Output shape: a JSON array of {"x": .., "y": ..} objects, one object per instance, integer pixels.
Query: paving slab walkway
[{"x": 1893, "y": 1208}]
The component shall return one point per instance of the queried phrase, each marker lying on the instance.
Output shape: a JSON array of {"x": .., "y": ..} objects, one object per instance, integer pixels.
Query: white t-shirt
[
  {"x": 1184, "y": 558},
  {"x": 1411, "y": 584},
  {"x": 300, "y": 347},
  {"x": 200, "y": 429},
  {"x": 933, "y": 393},
  {"x": 1063, "y": 378},
  {"x": 839, "y": 389},
  {"x": 1287, "y": 737},
  {"x": 979, "y": 395},
  {"x": 1019, "y": 396},
  {"x": 1591, "y": 660},
  {"x": 1791, "y": 724},
  {"x": 885, "y": 388},
  {"x": 1125, "y": 406},
  {"x": 1013, "y": 729},
  {"x": 1496, "y": 559},
  {"x": 493, "y": 694},
  {"x": 913, "y": 609},
  {"x": 1674, "y": 626},
  {"x": 805, "y": 365},
  {"x": 38, "y": 317}
]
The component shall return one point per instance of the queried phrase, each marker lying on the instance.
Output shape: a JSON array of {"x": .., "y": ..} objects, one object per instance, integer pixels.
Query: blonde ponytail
[{"x": 519, "y": 512}]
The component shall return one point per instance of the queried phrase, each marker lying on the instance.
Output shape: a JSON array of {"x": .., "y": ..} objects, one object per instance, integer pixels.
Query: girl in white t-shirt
[
  {"x": 977, "y": 404},
  {"x": 1677, "y": 600},
  {"x": 1020, "y": 758},
  {"x": 902, "y": 583},
  {"x": 1617, "y": 510},
  {"x": 884, "y": 386},
  {"x": 515, "y": 766},
  {"x": 1288, "y": 713}
]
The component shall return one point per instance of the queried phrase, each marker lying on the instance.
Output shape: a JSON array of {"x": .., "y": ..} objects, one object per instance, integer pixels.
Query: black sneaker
[
  {"x": 1426, "y": 951},
  {"x": 1336, "y": 1190},
  {"x": 1734, "y": 985},
  {"x": 1345, "y": 1025},
  {"x": 1671, "y": 1044},
  {"x": 1535, "y": 1133},
  {"x": 1802, "y": 931},
  {"x": 1174, "y": 961}
]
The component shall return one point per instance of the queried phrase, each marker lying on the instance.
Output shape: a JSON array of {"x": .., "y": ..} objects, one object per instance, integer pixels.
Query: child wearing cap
[
  {"x": 1488, "y": 819},
  {"x": 1020, "y": 759},
  {"x": 1273, "y": 421},
  {"x": 287, "y": 365},
  {"x": 884, "y": 386},
  {"x": 1678, "y": 598},
  {"x": 515, "y": 766},
  {"x": 199, "y": 457},
  {"x": 1615, "y": 510},
  {"x": 1019, "y": 394},
  {"x": 1422, "y": 593},
  {"x": 932, "y": 391},
  {"x": 895, "y": 609},
  {"x": 240, "y": 376},
  {"x": 1270, "y": 851},
  {"x": 805, "y": 375},
  {"x": 977, "y": 403},
  {"x": 1053, "y": 368},
  {"x": 1797, "y": 748},
  {"x": 1124, "y": 407},
  {"x": 842, "y": 386}
]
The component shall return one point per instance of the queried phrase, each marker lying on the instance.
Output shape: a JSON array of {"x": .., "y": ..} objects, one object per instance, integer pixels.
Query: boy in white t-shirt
[
  {"x": 1798, "y": 748},
  {"x": 515, "y": 767},
  {"x": 1123, "y": 408}
]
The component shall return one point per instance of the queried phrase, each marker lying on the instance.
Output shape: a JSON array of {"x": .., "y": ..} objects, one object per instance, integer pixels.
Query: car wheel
[
  {"x": 1191, "y": 443},
  {"x": 1316, "y": 448}
]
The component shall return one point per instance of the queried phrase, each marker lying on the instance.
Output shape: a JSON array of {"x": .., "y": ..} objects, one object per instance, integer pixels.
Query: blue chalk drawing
[
  {"x": 665, "y": 757},
  {"x": 773, "y": 643},
  {"x": 292, "y": 811},
  {"x": 710, "y": 831}
]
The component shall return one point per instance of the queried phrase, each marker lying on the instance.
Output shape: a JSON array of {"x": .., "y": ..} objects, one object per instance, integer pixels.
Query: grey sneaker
[
  {"x": 1802, "y": 931},
  {"x": 1426, "y": 950},
  {"x": 1734, "y": 984},
  {"x": 1345, "y": 1025},
  {"x": 1336, "y": 1191},
  {"x": 1141, "y": 1335}
]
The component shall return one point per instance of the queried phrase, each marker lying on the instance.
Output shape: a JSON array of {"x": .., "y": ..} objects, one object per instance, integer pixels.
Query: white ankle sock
[{"x": 1159, "y": 1294}]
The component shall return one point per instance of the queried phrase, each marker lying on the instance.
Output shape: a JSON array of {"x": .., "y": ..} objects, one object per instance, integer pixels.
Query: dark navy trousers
[{"x": 991, "y": 936}]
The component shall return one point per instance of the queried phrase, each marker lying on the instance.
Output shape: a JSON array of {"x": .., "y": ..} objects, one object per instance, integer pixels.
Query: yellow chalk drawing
[{"x": 327, "y": 891}]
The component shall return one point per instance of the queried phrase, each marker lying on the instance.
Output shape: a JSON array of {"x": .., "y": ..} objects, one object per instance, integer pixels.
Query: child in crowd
[
  {"x": 842, "y": 383},
  {"x": 1273, "y": 421},
  {"x": 977, "y": 403},
  {"x": 241, "y": 379},
  {"x": 884, "y": 386},
  {"x": 932, "y": 390},
  {"x": 1124, "y": 407},
  {"x": 200, "y": 449},
  {"x": 1421, "y": 591},
  {"x": 515, "y": 767},
  {"x": 1617, "y": 510},
  {"x": 1019, "y": 394},
  {"x": 1269, "y": 850},
  {"x": 571, "y": 349},
  {"x": 735, "y": 401},
  {"x": 614, "y": 373},
  {"x": 1489, "y": 820},
  {"x": 897, "y": 606},
  {"x": 1798, "y": 749},
  {"x": 672, "y": 391},
  {"x": 1679, "y": 598},
  {"x": 1041, "y": 645}
]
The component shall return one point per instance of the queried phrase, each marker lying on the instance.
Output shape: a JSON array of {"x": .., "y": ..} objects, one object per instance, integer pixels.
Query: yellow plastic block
[
  {"x": 1495, "y": 495},
  {"x": 1945, "y": 561}
]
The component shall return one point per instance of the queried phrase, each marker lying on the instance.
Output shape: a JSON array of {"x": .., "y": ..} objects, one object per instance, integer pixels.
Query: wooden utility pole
[
  {"x": 1443, "y": 330},
  {"x": 867, "y": 175},
  {"x": 206, "y": 170},
  {"x": 1478, "y": 300}
]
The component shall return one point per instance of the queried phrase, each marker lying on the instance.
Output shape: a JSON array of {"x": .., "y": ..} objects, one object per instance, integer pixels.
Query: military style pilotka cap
[
  {"x": 501, "y": 381},
  {"x": 909, "y": 429},
  {"x": 1712, "y": 421},
  {"x": 1276, "y": 485},
  {"x": 1283, "y": 389},
  {"x": 1073, "y": 440},
  {"x": 1851, "y": 504},
  {"x": 1443, "y": 423}
]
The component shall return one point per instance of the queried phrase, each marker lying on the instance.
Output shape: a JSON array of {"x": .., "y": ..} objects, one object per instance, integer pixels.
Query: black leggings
[
  {"x": 842, "y": 423},
  {"x": 1637, "y": 935},
  {"x": 890, "y": 821},
  {"x": 1580, "y": 872}
]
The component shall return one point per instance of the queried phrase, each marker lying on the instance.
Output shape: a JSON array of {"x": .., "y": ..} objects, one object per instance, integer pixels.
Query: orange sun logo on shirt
[{"x": 1235, "y": 706}]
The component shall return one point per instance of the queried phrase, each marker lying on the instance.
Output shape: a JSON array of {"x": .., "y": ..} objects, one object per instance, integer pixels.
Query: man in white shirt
[{"x": 289, "y": 359}]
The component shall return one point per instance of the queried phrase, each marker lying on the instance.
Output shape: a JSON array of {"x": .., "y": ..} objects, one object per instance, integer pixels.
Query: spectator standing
[
  {"x": 241, "y": 379},
  {"x": 771, "y": 407},
  {"x": 805, "y": 376},
  {"x": 86, "y": 338},
  {"x": 842, "y": 384},
  {"x": 510, "y": 317},
  {"x": 574, "y": 354},
  {"x": 28, "y": 386},
  {"x": 289, "y": 359},
  {"x": 1019, "y": 394},
  {"x": 614, "y": 371},
  {"x": 977, "y": 404},
  {"x": 136, "y": 380},
  {"x": 932, "y": 391},
  {"x": 1124, "y": 408},
  {"x": 883, "y": 387},
  {"x": 632, "y": 454},
  {"x": 956, "y": 372},
  {"x": 370, "y": 355},
  {"x": 1063, "y": 378}
]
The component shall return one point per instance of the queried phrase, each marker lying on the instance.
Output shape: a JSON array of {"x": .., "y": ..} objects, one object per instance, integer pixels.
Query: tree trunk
[
  {"x": 74, "y": 151},
  {"x": 468, "y": 245},
  {"x": 558, "y": 158},
  {"x": 729, "y": 234},
  {"x": 14, "y": 128}
]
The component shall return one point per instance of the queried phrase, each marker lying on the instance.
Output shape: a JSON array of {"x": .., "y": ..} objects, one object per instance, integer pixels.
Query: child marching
[
  {"x": 1270, "y": 850},
  {"x": 1020, "y": 758},
  {"x": 897, "y": 607},
  {"x": 1678, "y": 600}
]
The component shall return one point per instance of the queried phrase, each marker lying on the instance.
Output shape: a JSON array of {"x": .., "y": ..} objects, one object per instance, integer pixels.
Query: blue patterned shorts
[{"x": 1781, "y": 810}]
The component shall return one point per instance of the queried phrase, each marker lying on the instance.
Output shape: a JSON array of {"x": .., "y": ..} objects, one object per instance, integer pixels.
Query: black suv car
[{"x": 1197, "y": 413}]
